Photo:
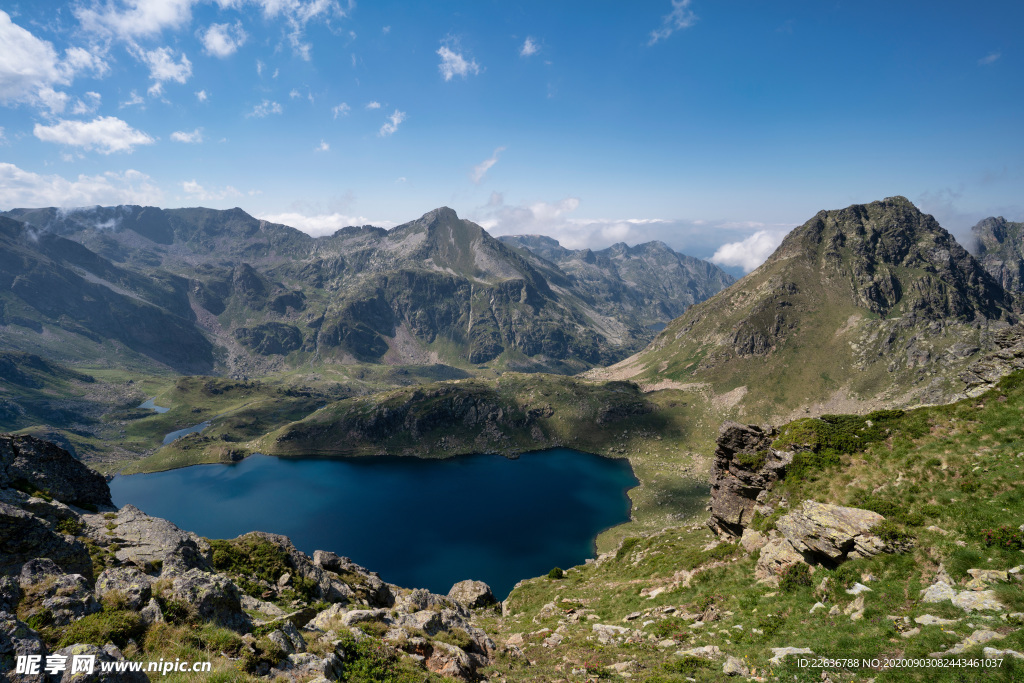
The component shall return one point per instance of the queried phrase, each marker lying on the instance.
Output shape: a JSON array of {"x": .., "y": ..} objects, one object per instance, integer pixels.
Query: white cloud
[
  {"x": 30, "y": 67},
  {"x": 201, "y": 95},
  {"x": 193, "y": 188},
  {"x": 133, "y": 100},
  {"x": 294, "y": 94},
  {"x": 454, "y": 64},
  {"x": 107, "y": 134},
  {"x": 386, "y": 30},
  {"x": 21, "y": 188},
  {"x": 322, "y": 224},
  {"x": 679, "y": 18},
  {"x": 373, "y": 105},
  {"x": 193, "y": 138},
  {"x": 480, "y": 170},
  {"x": 341, "y": 110},
  {"x": 322, "y": 147},
  {"x": 392, "y": 125},
  {"x": 87, "y": 104},
  {"x": 750, "y": 252},
  {"x": 223, "y": 40},
  {"x": 990, "y": 58},
  {"x": 129, "y": 19},
  {"x": 163, "y": 68},
  {"x": 264, "y": 108},
  {"x": 2, "y": 137},
  {"x": 259, "y": 67},
  {"x": 529, "y": 48}
]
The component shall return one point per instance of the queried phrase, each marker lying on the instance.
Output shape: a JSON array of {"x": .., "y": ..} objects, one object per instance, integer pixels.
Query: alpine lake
[{"x": 420, "y": 523}]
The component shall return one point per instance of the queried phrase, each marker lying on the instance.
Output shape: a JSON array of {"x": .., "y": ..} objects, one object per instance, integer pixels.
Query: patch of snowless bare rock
[
  {"x": 825, "y": 535},
  {"x": 42, "y": 568}
]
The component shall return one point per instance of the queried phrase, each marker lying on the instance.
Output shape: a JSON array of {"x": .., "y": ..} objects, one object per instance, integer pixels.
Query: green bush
[
  {"x": 250, "y": 556},
  {"x": 100, "y": 628},
  {"x": 673, "y": 627},
  {"x": 1006, "y": 537},
  {"x": 686, "y": 665},
  {"x": 890, "y": 532},
  {"x": 367, "y": 661},
  {"x": 626, "y": 548},
  {"x": 556, "y": 573},
  {"x": 458, "y": 637},
  {"x": 69, "y": 525},
  {"x": 752, "y": 461},
  {"x": 373, "y": 628},
  {"x": 795, "y": 577}
]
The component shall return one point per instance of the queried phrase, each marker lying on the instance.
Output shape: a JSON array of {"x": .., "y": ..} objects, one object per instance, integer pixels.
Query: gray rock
[
  {"x": 66, "y": 597},
  {"x": 735, "y": 667},
  {"x": 705, "y": 652},
  {"x": 993, "y": 653},
  {"x": 735, "y": 487},
  {"x": 449, "y": 660},
  {"x": 752, "y": 540},
  {"x": 127, "y": 581},
  {"x": 288, "y": 638},
  {"x": 930, "y": 620},
  {"x": 151, "y": 613},
  {"x": 10, "y": 594},
  {"x": 52, "y": 469},
  {"x": 938, "y": 592},
  {"x": 979, "y": 637},
  {"x": 780, "y": 653},
  {"x": 776, "y": 557},
  {"x": 972, "y": 601},
  {"x": 23, "y": 537},
  {"x": 17, "y": 639},
  {"x": 832, "y": 532},
  {"x": 214, "y": 598},
  {"x": 150, "y": 542},
  {"x": 472, "y": 594}
]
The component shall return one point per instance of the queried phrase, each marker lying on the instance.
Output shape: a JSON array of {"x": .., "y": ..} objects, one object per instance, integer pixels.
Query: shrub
[
  {"x": 100, "y": 628},
  {"x": 626, "y": 548},
  {"x": 892, "y": 533},
  {"x": 686, "y": 665},
  {"x": 752, "y": 461},
  {"x": 458, "y": 637},
  {"x": 367, "y": 661},
  {"x": 673, "y": 627},
  {"x": 1006, "y": 537},
  {"x": 556, "y": 573},
  {"x": 251, "y": 556},
  {"x": 373, "y": 628},
  {"x": 795, "y": 577},
  {"x": 69, "y": 525}
]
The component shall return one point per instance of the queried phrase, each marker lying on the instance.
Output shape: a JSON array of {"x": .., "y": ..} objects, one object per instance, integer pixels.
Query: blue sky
[{"x": 715, "y": 126}]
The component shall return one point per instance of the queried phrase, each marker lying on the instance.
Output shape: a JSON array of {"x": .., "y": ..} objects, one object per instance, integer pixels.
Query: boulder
[
  {"x": 150, "y": 543},
  {"x": 780, "y": 653},
  {"x": 472, "y": 594},
  {"x": 288, "y": 638},
  {"x": 776, "y": 557},
  {"x": 214, "y": 598},
  {"x": 735, "y": 667},
  {"x": 831, "y": 532},
  {"x": 972, "y": 601},
  {"x": 127, "y": 581},
  {"x": 23, "y": 537},
  {"x": 752, "y": 540},
  {"x": 450, "y": 660},
  {"x": 745, "y": 465},
  {"x": 938, "y": 592},
  {"x": 63, "y": 598},
  {"x": 17, "y": 639},
  {"x": 151, "y": 613},
  {"x": 48, "y": 467}
]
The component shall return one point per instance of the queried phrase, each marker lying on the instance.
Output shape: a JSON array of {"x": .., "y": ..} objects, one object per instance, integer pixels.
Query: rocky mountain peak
[{"x": 999, "y": 245}]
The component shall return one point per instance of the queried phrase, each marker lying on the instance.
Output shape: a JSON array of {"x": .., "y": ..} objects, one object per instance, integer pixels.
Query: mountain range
[{"x": 199, "y": 290}]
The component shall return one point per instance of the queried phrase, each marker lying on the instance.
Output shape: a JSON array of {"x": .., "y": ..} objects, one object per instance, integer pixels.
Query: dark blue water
[
  {"x": 420, "y": 523},
  {"x": 150, "y": 403}
]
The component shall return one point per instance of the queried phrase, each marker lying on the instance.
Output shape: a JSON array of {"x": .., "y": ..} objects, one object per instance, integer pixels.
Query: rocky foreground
[{"x": 78, "y": 576}]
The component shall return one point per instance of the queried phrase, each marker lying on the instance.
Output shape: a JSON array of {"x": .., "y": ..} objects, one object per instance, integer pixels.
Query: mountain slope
[
  {"x": 1000, "y": 249},
  {"x": 653, "y": 282},
  {"x": 438, "y": 289},
  {"x": 58, "y": 297},
  {"x": 872, "y": 303}
]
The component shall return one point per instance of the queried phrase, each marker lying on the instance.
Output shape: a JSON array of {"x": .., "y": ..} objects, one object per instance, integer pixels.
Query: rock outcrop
[
  {"x": 745, "y": 467},
  {"x": 46, "y": 467},
  {"x": 151, "y": 574}
]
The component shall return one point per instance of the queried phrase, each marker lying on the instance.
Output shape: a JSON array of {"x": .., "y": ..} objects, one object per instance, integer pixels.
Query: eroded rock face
[
  {"x": 214, "y": 597},
  {"x": 832, "y": 532},
  {"x": 745, "y": 465},
  {"x": 776, "y": 557},
  {"x": 107, "y": 654},
  {"x": 17, "y": 639},
  {"x": 23, "y": 536},
  {"x": 52, "y": 469},
  {"x": 128, "y": 582},
  {"x": 472, "y": 594},
  {"x": 150, "y": 543}
]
